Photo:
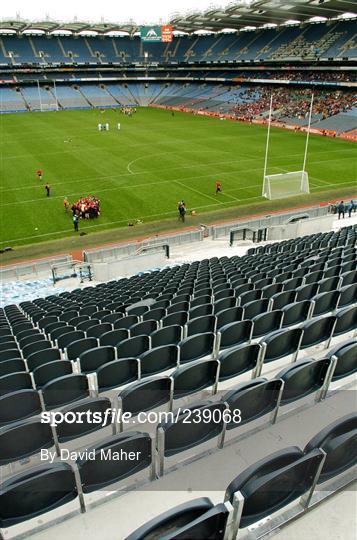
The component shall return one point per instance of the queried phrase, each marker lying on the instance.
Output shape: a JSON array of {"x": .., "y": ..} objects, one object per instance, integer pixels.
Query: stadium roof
[{"x": 236, "y": 16}]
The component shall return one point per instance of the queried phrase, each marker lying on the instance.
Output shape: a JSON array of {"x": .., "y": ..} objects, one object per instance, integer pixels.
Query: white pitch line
[
  {"x": 117, "y": 188},
  {"x": 197, "y": 191},
  {"x": 113, "y": 222},
  {"x": 171, "y": 181},
  {"x": 88, "y": 178},
  {"x": 150, "y": 155}
]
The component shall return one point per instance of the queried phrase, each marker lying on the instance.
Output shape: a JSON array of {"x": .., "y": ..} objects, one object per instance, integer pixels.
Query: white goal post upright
[
  {"x": 268, "y": 138},
  {"x": 278, "y": 186},
  {"x": 39, "y": 95},
  {"x": 308, "y": 132},
  {"x": 55, "y": 94}
]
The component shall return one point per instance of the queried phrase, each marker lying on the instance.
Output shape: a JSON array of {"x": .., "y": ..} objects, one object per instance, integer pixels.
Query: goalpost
[
  {"x": 50, "y": 104},
  {"x": 288, "y": 184}
]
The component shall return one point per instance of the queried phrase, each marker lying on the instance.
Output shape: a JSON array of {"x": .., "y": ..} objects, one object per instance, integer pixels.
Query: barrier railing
[
  {"x": 264, "y": 222},
  {"x": 116, "y": 252},
  {"x": 36, "y": 269}
]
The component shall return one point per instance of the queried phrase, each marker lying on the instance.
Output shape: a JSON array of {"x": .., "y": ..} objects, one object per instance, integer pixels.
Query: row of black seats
[
  {"x": 254, "y": 399},
  {"x": 319, "y": 241},
  {"x": 134, "y": 358},
  {"x": 237, "y": 291},
  {"x": 257, "y": 492},
  {"x": 181, "y": 312},
  {"x": 264, "y": 489},
  {"x": 75, "y": 341}
]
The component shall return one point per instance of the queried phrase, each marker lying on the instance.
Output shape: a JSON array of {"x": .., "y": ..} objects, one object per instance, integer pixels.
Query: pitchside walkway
[{"x": 19, "y": 291}]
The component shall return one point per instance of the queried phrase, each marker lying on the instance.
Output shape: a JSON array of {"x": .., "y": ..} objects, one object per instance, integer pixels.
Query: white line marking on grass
[
  {"x": 114, "y": 176},
  {"x": 199, "y": 192},
  {"x": 150, "y": 155},
  {"x": 117, "y": 188},
  {"x": 171, "y": 181},
  {"x": 113, "y": 222}
]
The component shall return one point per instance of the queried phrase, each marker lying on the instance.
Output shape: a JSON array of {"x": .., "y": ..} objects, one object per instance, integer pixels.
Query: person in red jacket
[
  {"x": 218, "y": 187},
  {"x": 39, "y": 174}
]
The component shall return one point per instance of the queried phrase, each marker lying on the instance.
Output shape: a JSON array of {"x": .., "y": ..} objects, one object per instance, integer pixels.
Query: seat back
[
  {"x": 200, "y": 325},
  {"x": 317, "y": 331},
  {"x": 23, "y": 439},
  {"x": 19, "y": 405},
  {"x": 195, "y": 347},
  {"x": 64, "y": 390},
  {"x": 117, "y": 373},
  {"x": 54, "y": 486},
  {"x": 281, "y": 343},
  {"x": 346, "y": 320},
  {"x": 303, "y": 378},
  {"x": 114, "y": 337},
  {"x": 76, "y": 348},
  {"x": 229, "y": 315},
  {"x": 106, "y": 469},
  {"x": 194, "y": 377},
  {"x": 89, "y": 408},
  {"x": 346, "y": 360},
  {"x": 239, "y": 360},
  {"x": 98, "y": 330},
  {"x": 339, "y": 441},
  {"x": 14, "y": 365},
  {"x": 253, "y": 399},
  {"x": 39, "y": 358},
  {"x": 266, "y": 323},
  {"x": 65, "y": 340},
  {"x": 234, "y": 334},
  {"x": 15, "y": 381},
  {"x": 167, "y": 335},
  {"x": 195, "y": 519},
  {"x": 50, "y": 371},
  {"x": 296, "y": 312},
  {"x": 133, "y": 347},
  {"x": 274, "y": 482},
  {"x": 145, "y": 395},
  {"x": 158, "y": 359},
  {"x": 92, "y": 359}
]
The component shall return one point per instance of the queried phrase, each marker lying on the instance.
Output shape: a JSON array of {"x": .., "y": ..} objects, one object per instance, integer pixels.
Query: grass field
[{"x": 143, "y": 170}]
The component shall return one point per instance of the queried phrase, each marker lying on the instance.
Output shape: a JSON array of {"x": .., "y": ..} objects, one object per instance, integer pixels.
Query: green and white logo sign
[{"x": 151, "y": 33}]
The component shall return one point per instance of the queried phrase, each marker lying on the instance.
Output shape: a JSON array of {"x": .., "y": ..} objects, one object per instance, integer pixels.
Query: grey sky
[{"x": 140, "y": 11}]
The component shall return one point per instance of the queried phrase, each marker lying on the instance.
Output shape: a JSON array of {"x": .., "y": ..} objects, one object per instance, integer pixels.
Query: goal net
[{"x": 279, "y": 186}]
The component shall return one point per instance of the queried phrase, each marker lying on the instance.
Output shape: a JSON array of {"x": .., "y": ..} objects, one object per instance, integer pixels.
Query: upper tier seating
[{"x": 335, "y": 40}]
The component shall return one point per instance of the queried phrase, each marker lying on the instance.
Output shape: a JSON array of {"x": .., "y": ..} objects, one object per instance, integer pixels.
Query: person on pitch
[
  {"x": 182, "y": 211},
  {"x": 39, "y": 174},
  {"x": 218, "y": 187}
]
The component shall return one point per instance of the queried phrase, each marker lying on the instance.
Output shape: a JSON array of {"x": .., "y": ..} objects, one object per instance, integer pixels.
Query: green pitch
[{"x": 143, "y": 170}]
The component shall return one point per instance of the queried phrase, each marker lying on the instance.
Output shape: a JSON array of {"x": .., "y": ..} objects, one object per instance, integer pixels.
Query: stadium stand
[
  {"x": 295, "y": 42},
  {"x": 11, "y": 100},
  {"x": 66, "y": 351},
  {"x": 270, "y": 332}
]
